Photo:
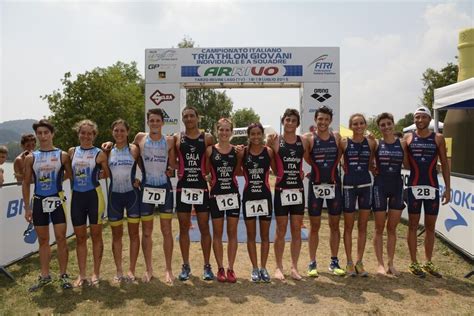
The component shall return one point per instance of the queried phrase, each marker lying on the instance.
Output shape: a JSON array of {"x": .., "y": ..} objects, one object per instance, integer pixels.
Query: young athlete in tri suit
[
  {"x": 28, "y": 144},
  {"x": 325, "y": 185},
  {"x": 387, "y": 190},
  {"x": 123, "y": 194},
  {"x": 156, "y": 151},
  {"x": 49, "y": 166},
  {"x": 223, "y": 161},
  {"x": 289, "y": 150},
  {"x": 87, "y": 199},
  {"x": 257, "y": 198},
  {"x": 357, "y": 184},
  {"x": 424, "y": 149},
  {"x": 192, "y": 190}
]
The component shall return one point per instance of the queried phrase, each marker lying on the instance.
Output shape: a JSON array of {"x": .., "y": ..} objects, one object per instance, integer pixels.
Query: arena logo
[
  {"x": 322, "y": 66},
  {"x": 321, "y": 95},
  {"x": 157, "y": 97}
]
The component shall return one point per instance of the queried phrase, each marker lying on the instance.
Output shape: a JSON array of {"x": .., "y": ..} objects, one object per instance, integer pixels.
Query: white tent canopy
[
  {"x": 455, "y": 96},
  {"x": 412, "y": 127}
]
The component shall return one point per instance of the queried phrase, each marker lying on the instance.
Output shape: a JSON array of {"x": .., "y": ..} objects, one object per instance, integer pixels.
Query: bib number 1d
[{"x": 291, "y": 197}]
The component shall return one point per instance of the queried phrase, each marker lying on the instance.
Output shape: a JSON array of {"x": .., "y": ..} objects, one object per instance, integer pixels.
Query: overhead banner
[{"x": 242, "y": 65}]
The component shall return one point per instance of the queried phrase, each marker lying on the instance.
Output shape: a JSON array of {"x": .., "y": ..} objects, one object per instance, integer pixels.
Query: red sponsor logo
[{"x": 157, "y": 97}]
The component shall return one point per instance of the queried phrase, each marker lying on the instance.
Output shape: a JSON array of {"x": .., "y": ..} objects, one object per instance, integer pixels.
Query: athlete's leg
[
  {"x": 97, "y": 249},
  {"x": 413, "y": 221},
  {"x": 313, "y": 239},
  {"x": 251, "y": 225},
  {"x": 206, "y": 240},
  {"x": 378, "y": 240},
  {"x": 392, "y": 222},
  {"x": 167, "y": 232},
  {"x": 279, "y": 245},
  {"x": 217, "y": 229},
  {"x": 232, "y": 245},
  {"x": 430, "y": 223},
  {"x": 63, "y": 253},
  {"x": 147, "y": 246},
  {"x": 348, "y": 227},
  {"x": 264, "y": 241},
  {"x": 134, "y": 235},
  {"x": 184, "y": 219},
  {"x": 117, "y": 234},
  {"x": 81, "y": 252},
  {"x": 362, "y": 221},
  {"x": 296, "y": 222},
  {"x": 44, "y": 249},
  {"x": 335, "y": 234}
]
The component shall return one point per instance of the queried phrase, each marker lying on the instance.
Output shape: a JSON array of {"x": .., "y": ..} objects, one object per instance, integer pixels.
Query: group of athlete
[{"x": 372, "y": 180}]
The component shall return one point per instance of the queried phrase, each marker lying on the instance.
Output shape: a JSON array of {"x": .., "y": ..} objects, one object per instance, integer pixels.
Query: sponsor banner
[
  {"x": 455, "y": 221},
  {"x": 314, "y": 95},
  {"x": 242, "y": 65},
  {"x": 13, "y": 244},
  {"x": 166, "y": 97}
]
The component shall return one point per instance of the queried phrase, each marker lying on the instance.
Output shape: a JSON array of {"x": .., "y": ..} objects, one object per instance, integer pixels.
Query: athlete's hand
[
  {"x": 102, "y": 174},
  {"x": 136, "y": 183},
  {"x": 308, "y": 175},
  {"x": 239, "y": 148},
  {"x": 107, "y": 146},
  {"x": 446, "y": 196},
  {"x": 374, "y": 170},
  {"x": 170, "y": 172},
  {"x": 271, "y": 139},
  {"x": 28, "y": 215}
]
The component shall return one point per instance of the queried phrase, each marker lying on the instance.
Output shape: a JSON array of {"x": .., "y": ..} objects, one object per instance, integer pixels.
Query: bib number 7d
[{"x": 154, "y": 196}]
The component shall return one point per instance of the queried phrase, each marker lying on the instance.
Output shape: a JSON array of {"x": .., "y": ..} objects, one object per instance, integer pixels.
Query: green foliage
[
  {"x": 211, "y": 104},
  {"x": 102, "y": 95},
  {"x": 243, "y": 118},
  {"x": 373, "y": 128},
  {"x": 404, "y": 122},
  {"x": 433, "y": 79}
]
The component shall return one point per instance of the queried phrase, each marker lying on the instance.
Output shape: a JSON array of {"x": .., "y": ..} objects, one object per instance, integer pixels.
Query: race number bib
[
  {"x": 192, "y": 196},
  {"x": 50, "y": 204},
  {"x": 256, "y": 208},
  {"x": 227, "y": 201},
  {"x": 291, "y": 197},
  {"x": 324, "y": 191},
  {"x": 154, "y": 196},
  {"x": 423, "y": 192}
]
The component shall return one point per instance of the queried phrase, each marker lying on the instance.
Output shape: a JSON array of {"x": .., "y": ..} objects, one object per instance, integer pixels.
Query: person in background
[
  {"x": 28, "y": 144},
  {"x": 3, "y": 158}
]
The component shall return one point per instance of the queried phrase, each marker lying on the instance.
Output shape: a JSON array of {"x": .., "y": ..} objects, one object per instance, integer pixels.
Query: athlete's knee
[
  {"x": 379, "y": 228},
  {"x": 43, "y": 240}
]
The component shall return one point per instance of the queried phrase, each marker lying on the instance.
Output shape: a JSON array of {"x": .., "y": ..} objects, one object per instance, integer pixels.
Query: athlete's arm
[
  {"x": 337, "y": 136},
  {"x": 102, "y": 161},
  {"x": 107, "y": 146},
  {"x": 172, "y": 163},
  {"x": 272, "y": 140},
  {"x": 343, "y": 147},
  {"x": 208, "y": 139},
  {"x": 405, "y": 142},
  {"x": 67, "y": 165},
  {"x": 208, "y": 159},
  {"x": 373, "y": 161},
  {"x": 238, "y": 166},
  {"x": 373, "y": 147},
  {"x": 310, "y": 141},
  {"x": 17, "y": 168},
  {"x": 135, "y": 151},
  {"x": 443, "y": 157},
  {"x": 272, "y": 160},
  {"x": 25, "y": 189},
  {"x": 138, "y": 138}
]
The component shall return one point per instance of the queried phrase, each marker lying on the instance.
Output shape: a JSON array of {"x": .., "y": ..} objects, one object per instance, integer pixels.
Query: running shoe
[
  {"x": 430, "y": 268},
  {"x": 65, "y": 282},
  {"x": 312, "y": 269},
  {"x": 415, "y": 268},
  {"x": 221, "y": 275},
  {"x": 207, "y": 275},
  {"x": 264, "y": 275},
  {"x": 42, "y": 281},
  {"x": 350, "y": 270},
  {"x": 185, "y": 272},
  {"x": 255, "y": 276},
  {"x": 231, "y": 278},
  {"x": 359, "y": 267},
  {"x": 335, "y": 268}
]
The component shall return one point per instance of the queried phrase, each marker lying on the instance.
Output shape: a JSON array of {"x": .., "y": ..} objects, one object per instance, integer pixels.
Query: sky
[{"x": 385, "y": 46}]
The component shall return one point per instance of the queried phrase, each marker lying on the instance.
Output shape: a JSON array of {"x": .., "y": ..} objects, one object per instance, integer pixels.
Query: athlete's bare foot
[
  {"x": 131, "y": 276},
  {"x": 381, "y": 270},
  {"x": 169, "y": 277},
  {"x": 295, "y": 275},
  {"x": 80, "y": 282},
  {"x": 391, "y": 270},
  {"x": 147, "y": 277},
  {"x": 279, "y": 275},
  {"x": 95, "y": 280}
]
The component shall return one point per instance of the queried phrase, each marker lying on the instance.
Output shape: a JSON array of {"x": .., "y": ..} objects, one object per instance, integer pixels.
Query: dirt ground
[{"x": 327, "y": 294}]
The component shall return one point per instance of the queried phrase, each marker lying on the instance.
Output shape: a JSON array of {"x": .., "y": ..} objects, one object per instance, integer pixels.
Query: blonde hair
[
  {"x": 78, "y": 126},
  {"x": 355, "y": 115},
  {"x": 224, "y": 120}
]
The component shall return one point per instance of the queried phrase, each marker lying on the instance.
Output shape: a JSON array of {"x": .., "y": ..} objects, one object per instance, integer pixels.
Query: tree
[
  {"x": 433, "y": 79},
  {"x": 373, "y": 128},
  {"x": 404, "y": 122},
  {"x": 211, "y": 104},
  {"x": 243, "y": 118},
  {"x": 102, "y": 95}
]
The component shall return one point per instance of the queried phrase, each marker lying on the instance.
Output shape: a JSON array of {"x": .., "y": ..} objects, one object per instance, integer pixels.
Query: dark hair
[
  {"x": 190, "y": 107},
  {"x": 120, "y": 121},
  {"x": 26, "y": 138},
  {"x": 290, "y": 112},
  {"x": 384, "y": 115},
  {"x": 325, "y": 110},
  {"x": 354, "y": 115},
  {"x": 43, "y": 123},
  {"x": 253, "y": 125},
  {"x": 3, "y": 150},
  {"x": 155, "y": 111}
]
